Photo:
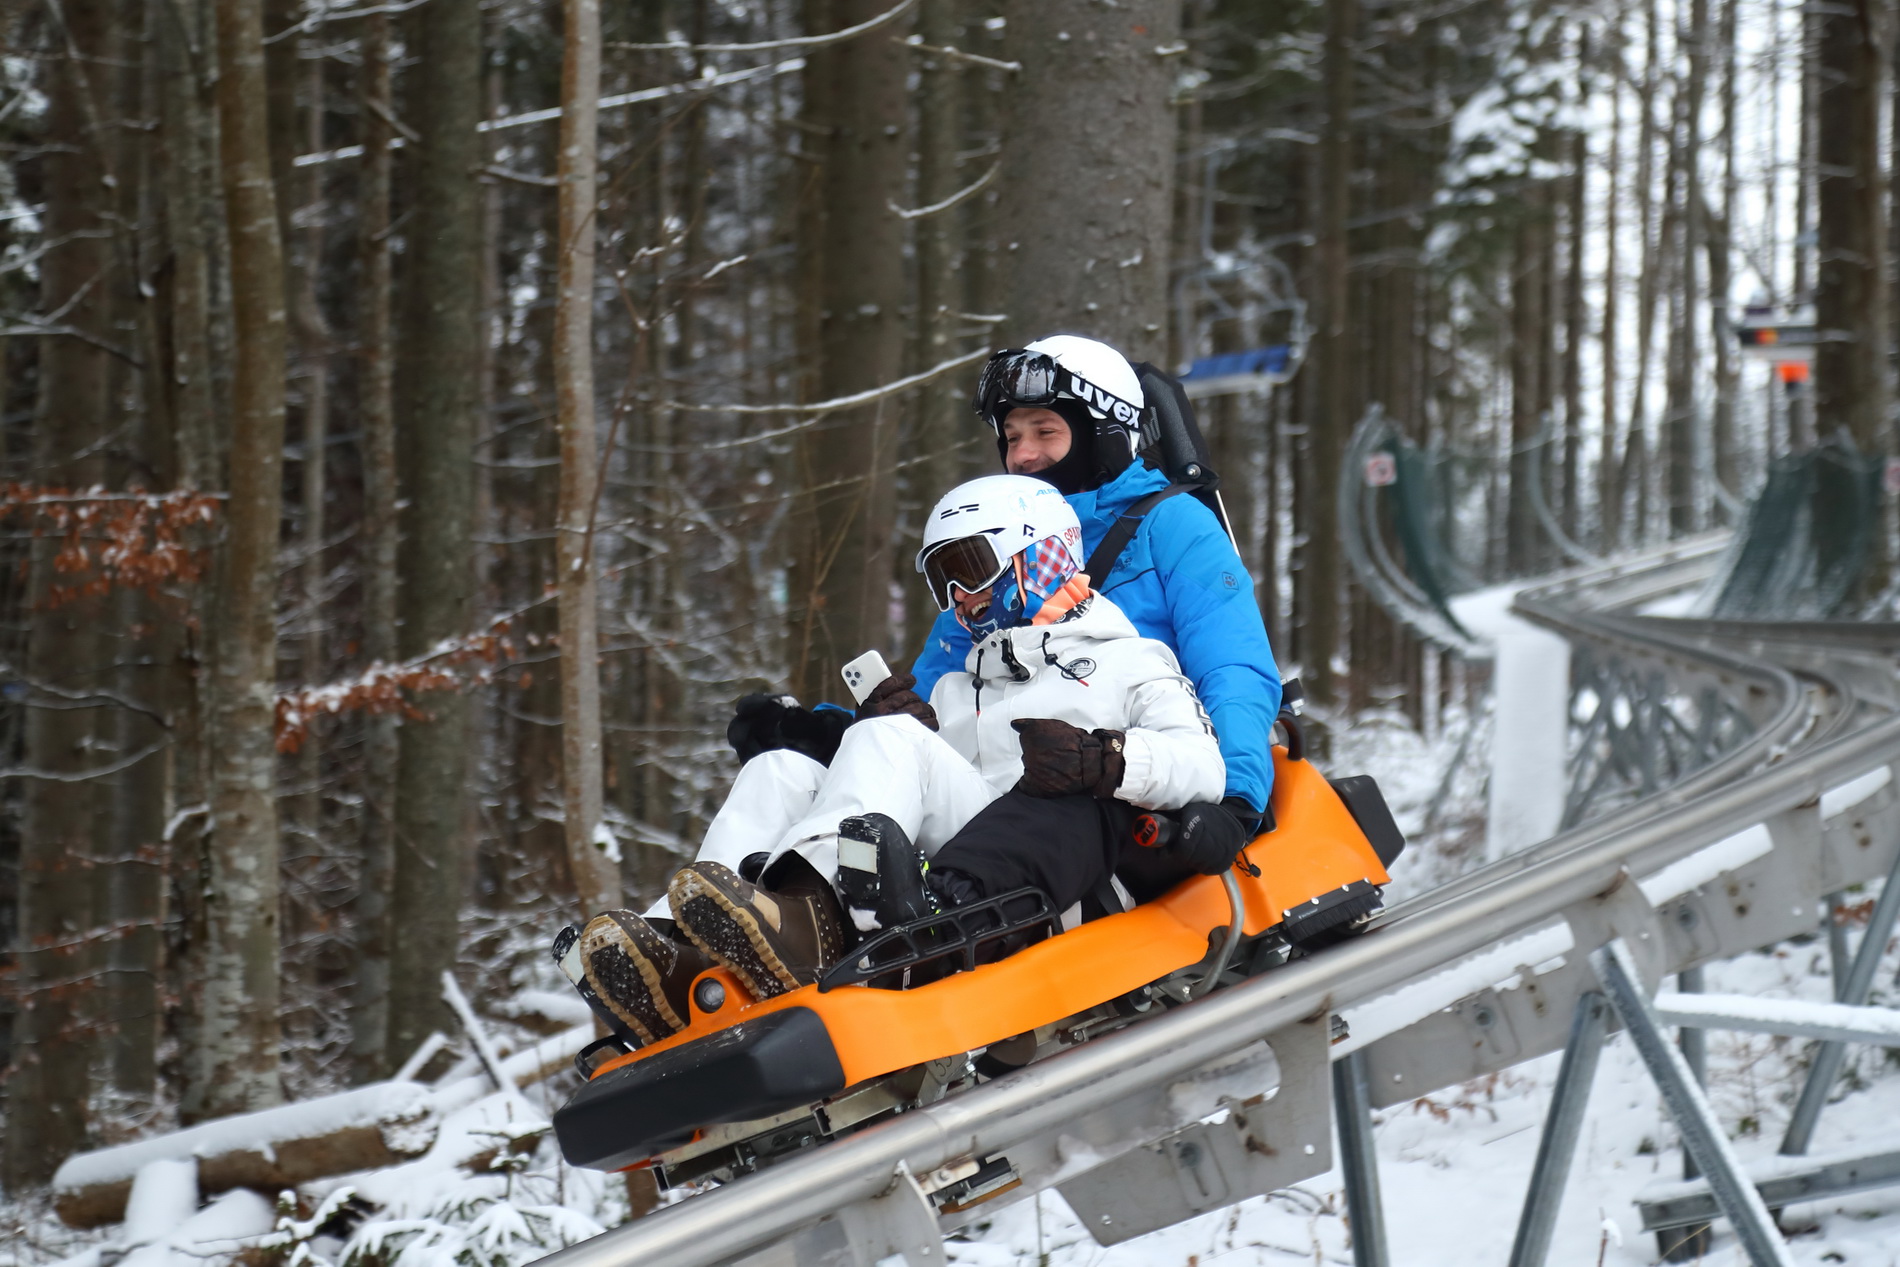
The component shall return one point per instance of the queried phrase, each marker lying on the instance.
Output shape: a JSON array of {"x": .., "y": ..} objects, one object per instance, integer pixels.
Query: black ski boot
[{"x": 881, "y": 874}]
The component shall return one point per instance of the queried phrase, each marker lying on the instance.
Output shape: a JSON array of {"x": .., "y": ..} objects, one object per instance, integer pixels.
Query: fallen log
[
  {"x": 377, "y": 1125},
  {"x": 364, "y": 1129}
]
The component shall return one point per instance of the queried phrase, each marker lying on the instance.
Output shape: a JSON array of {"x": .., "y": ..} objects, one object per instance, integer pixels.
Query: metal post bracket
[
  {"x": 1262, "y": 1143},
  {"x": 899, "y": 1223},
  {"x": 1622, "y": 911}
]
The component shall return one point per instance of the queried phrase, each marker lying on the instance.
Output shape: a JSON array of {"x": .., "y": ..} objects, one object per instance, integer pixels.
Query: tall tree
[
  {"x": 1851, "y": 386},
  {"x": 1609, "y": 487},
  {"x": 1086, "y": 188},
  {"x": 595, "y": 865},
  {"x": 313, "y": 347},
  {"x": 854, "y": 240},
  {"x": 439, "y": 356},
  {"x": 1725, "y": 443},
  {"x": 369, "y": 1018},
  {"x": 66, "y": 649},
  {"x": 1525, "y": 541},
  {"x": 1320, "y": 599},
  {"x": 238, "y": 1050},
  {"x": 940, "y": 420},
  {"x": 1681, "y": 420}
]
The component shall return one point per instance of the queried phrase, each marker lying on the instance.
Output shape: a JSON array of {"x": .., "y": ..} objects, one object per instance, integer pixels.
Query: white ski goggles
[{"x": 969, "y": 563}]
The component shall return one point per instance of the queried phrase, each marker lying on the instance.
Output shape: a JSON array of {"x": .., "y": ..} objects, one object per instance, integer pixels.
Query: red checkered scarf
[{"x": 1047, "y": 567}]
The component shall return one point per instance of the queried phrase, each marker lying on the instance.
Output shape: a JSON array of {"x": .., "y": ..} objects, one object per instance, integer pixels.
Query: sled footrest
[{"x": 1020, "y": 918}]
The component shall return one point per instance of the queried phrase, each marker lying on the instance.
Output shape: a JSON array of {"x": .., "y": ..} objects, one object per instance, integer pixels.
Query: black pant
[{"x": 1067, "y": 846}]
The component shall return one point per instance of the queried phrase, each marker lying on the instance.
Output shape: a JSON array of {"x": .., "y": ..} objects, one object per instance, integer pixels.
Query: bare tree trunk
[
  {"x": 60, "y": 829},
  {"x": 1852, "y": 387},
  {"x": 1850, "y": 374},
  {"x": 235, "y": 1067},
  {"x": 313, "y": 345},
  {"x": 1094, "y": 119},
  {"x": 369, "y": 1017},
  {"x": 592, "y": 855},
  {"x": 440, "y": 358},
  {"x": 1609, "y": 487},
  {"x": 1330, "y": 427},
  {"x": 1574, "y": 306},
  {"x": 1526, "y": 550},
  {"x": 1632, "y": 472},
  {"x": 193, "y": 210},
  {"x": 1727, "y": 445},
  {"x": 1802, "y": 430},
  {"x": 841, "y": 578},
  {"x": 942, "y": 422},
  {"x": 1681, "y": 419}
]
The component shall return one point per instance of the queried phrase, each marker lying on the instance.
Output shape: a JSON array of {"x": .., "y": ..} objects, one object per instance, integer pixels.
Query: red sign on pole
[{"x": 1381, "y": 470}]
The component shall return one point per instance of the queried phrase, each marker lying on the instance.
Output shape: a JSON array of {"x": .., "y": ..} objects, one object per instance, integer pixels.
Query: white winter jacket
[{"x": 1093, "y": 671}]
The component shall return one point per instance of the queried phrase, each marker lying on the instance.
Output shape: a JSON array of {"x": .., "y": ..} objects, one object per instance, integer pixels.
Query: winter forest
[{"x": 421, "y": 421}]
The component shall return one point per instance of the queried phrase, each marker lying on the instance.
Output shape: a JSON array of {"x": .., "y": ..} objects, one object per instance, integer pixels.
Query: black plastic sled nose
[{"x": 754, "y": 1069}]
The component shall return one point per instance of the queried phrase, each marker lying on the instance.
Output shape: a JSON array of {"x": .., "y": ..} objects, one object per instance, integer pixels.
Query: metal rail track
[{"x": 1823, "y": 699}]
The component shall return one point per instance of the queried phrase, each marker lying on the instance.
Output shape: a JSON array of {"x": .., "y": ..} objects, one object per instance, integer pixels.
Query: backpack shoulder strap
[{"x": 1123, "y": 530}]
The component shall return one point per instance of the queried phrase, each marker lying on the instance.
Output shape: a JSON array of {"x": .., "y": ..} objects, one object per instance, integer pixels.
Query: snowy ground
[{"x": 1453, "y": 1165}]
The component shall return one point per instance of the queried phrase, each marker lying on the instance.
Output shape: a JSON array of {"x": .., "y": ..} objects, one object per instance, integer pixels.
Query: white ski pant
[{"x": 887, "y": 765}]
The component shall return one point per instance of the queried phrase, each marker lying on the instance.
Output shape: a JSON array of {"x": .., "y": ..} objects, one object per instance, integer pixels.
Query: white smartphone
[{"x": 863, "y": 674}]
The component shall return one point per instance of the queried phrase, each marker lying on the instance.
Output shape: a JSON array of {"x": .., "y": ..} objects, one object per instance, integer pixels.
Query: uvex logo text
[{"x": 1115, "y": 407}]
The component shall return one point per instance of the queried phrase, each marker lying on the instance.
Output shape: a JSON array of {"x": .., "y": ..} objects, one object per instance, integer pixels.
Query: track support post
[
  {"x": 1854, "y": 992},
  {"x": 1588, "y": 1026},
  {"x": 1702, "y": 1135},
  {"x": 1689, "y": 1244},
  {"x": 1359, "y": 1159}
]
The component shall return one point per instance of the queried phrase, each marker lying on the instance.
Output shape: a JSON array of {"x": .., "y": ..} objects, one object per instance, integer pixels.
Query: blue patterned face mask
[
  {"x": 1019, "y": 593},
  {"x": 1006, "y": 606}
]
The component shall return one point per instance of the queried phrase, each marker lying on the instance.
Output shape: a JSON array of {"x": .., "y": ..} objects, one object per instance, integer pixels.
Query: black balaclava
[{"x": 1078, "y": 471}]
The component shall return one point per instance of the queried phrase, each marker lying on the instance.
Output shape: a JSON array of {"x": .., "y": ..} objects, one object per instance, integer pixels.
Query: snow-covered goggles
[
  {"x": 1017, "y": 376},
  {"x": 970, "y": 563}
]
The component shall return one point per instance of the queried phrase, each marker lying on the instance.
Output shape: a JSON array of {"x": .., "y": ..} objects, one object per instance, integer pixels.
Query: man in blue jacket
[{"x": 1068, "y": 411}]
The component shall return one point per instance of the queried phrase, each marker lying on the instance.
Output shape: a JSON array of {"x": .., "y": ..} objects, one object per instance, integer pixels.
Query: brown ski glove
[
  {"x": 1063, "y": 760},
  {"x": 894, "y": 695}
]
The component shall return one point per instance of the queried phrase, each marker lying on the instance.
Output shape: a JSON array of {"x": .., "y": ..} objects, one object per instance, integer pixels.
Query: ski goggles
[
  {"x": 969, "y": 563},
  {"x": 1017, "y": 376}
]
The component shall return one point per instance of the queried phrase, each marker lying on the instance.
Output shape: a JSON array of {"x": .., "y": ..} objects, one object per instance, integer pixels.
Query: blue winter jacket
[{"x": 1179, "y": 581}]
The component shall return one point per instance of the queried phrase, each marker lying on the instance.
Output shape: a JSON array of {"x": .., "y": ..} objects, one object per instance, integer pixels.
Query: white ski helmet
[
  {"x": 1064, "y": 366},
  {"x": 979, "y": 527}
]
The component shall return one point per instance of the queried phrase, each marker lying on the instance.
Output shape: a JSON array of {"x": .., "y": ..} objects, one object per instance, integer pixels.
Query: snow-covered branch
[
  {"x": 796, "y": 41},
  {"x": 975, "y": 187}
]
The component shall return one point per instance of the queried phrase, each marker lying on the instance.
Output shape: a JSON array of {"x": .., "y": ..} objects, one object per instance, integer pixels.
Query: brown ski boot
[
  {"x": 773, "y": 941},
  {"x": 637, "y": 974}
]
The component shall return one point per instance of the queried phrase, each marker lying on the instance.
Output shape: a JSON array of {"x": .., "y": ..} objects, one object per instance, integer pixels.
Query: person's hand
[
  {"x": 754, "y": 727},
  {"x": 1209, "y": 837},
  {"x": 816, "y": 732},
  {"x": 765, "y": 723},
  {"x": 1064, "y": 760},
  {"x": 895, "y": 695}
]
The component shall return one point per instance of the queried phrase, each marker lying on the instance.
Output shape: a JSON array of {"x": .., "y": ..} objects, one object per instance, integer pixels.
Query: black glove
[
  {"x": 893, "y": 696},
  {"x": 1063, "y": 760},
  {"x": 1210, "y": 837},
  {"x": 763, "y": 723}
]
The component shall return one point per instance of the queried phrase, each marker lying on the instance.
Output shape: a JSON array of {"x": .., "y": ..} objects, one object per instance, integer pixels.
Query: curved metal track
[{"x": 1433, "y": 989}]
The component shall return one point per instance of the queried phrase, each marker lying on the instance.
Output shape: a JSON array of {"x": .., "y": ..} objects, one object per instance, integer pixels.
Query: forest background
[{"x": 419, "y": 422}]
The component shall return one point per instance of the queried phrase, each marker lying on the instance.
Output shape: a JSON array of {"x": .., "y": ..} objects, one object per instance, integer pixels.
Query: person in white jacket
[{"x": 1027, "y": 768}]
